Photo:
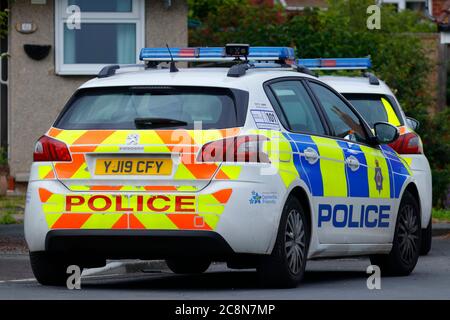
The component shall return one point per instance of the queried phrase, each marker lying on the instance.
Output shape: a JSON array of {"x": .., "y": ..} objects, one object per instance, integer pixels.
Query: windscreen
[
  {"x": 131, "y": 108},
  {"x": 375, "y": 108}
]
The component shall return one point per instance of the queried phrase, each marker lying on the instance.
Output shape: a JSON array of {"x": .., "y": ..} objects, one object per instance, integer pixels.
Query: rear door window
[{"x": 161, "y": 107}]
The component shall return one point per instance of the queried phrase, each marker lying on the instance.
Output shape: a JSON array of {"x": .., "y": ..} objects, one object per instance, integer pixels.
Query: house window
[{"x": 110, "y": 32}]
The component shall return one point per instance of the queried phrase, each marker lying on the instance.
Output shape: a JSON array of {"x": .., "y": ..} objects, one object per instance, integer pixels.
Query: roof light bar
[
  {"x": 336, "y": 63},
  {"x": 218, "y": 54}
]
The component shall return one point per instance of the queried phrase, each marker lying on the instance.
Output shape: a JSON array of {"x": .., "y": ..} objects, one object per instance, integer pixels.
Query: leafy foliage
[
  {"x": 398, "y": 54},
  {"x": 3, "y": 22}
]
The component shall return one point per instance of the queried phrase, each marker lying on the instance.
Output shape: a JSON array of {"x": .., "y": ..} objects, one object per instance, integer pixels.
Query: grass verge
[
  {"x": 12, "y": 209},
  {"x": 442, "y": 215}
]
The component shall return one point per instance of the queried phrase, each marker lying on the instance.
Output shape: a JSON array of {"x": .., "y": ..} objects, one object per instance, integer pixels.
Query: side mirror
[
  {"x": 412, "y": 123},
  {"x": 385, "y": 133}
]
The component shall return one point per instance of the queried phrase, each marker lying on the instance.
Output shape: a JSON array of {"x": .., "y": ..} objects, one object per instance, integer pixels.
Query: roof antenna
[{"x": 173, "y": 67}]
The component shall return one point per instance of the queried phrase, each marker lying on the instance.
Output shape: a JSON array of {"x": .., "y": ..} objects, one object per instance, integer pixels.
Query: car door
[
  {"x": 318, "y": 158},
  {"x": 367, "y": 215}
]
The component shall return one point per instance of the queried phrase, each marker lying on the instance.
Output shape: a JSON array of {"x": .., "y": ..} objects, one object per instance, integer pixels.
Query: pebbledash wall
[{"x": 36, "y": 94}]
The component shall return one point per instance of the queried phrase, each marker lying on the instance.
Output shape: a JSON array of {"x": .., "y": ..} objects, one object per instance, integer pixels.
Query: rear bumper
[
  {"x": 138, "y": 244},
  {"x": 247, "y": 227}
]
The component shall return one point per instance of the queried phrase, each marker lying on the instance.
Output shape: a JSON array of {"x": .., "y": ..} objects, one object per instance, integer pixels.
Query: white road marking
[{"x": 18, "y": 280}]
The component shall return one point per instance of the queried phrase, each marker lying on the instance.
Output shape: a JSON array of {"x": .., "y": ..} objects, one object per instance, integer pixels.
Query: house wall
[{"x": 37, "y": 94}]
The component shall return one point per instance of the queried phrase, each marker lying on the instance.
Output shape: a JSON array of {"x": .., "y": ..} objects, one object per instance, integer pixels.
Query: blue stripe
[
  {"x": 399, "y": 171},
  {"x": 358, "y": 183},
  {"x": 312, "y": 171}
]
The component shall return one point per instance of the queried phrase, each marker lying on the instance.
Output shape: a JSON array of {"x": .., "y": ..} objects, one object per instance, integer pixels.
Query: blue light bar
[
  {"x": 336, "y": 63},
  {"x": 215, "y": 54}
]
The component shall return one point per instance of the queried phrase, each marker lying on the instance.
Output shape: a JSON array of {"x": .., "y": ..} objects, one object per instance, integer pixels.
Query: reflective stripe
[
  {"x": 312, "y": 171},
  {"x": 392, "y": 117},
  {"x": 376, "y": 161},
  {"x": 46, "y": 172},
  {"x": 207, "y": 210},
  {"x": 332, "y": 166},
  {"x": 358, "y": 184}
]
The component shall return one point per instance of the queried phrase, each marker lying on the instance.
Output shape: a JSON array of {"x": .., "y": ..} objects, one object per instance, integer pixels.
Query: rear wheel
[
  {"x": 406, "y": 244},
  {"x": 285, "y": 267},
  {"x": 50, "y": 270},
  {"x": 185, "y": 266},
  {"x": 427, "y": 236}
]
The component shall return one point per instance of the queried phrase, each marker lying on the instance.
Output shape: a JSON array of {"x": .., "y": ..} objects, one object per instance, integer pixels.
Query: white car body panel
[
  {"x": 418, "y": 162},
  {"x": 244, "y": 228}
]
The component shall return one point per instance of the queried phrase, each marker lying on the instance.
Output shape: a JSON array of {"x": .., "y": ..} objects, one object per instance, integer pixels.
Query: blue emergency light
[
  {"x": 217, "y": 54},
  {"x": 336, "y": 63}
]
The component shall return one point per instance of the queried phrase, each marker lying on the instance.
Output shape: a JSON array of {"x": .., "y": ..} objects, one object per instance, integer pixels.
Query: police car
[
  {"x": 260, "y": 165},
  {"x": 375, "y": 101}
]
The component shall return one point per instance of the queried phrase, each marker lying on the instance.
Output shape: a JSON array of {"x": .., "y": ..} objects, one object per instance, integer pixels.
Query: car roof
[
  {"x": 356, "y": 85},
  {"x": 209, "y": 77}
]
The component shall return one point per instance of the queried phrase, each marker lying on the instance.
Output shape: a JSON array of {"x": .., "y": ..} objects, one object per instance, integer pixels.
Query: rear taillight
[
  {"x": 236, "y": 149},
  {"x": 408, "y": 143},
  {"x": 49, "y": 149}
]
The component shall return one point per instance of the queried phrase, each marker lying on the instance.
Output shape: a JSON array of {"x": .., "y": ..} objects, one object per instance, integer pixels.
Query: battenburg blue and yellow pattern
[{"x": 381, "y": 172}]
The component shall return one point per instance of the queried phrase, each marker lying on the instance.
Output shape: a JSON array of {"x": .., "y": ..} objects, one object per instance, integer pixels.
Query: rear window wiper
[{"x": 146, "y": 123}]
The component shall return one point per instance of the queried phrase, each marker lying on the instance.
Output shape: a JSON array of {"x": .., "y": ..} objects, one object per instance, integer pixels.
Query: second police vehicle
[{"x": 260, "y": 165}]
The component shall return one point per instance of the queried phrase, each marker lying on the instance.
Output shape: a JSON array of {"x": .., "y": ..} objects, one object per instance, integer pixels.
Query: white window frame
[{"x": 137, "y": 16}]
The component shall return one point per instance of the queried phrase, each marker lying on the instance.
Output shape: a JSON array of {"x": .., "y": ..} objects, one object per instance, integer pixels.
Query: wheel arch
[
  {"x": 414, "y": 191},
  {"x": 301, "y": 195}
]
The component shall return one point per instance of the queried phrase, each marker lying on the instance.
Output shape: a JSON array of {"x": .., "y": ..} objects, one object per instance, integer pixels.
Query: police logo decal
[{"x": 378, "y": 177}]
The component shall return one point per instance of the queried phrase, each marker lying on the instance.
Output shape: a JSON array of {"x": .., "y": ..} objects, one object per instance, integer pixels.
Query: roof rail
[{"x": 110, "y": 70}]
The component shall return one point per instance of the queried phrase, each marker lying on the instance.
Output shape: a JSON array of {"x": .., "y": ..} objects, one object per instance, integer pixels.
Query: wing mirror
[
  {"x": 412, "y": 123},
  {"x": 385, "y": 133}
]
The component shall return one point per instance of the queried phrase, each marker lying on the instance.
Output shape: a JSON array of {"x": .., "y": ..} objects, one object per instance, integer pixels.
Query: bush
[
  {"x": 397, "y": 52},
  {"x": 435, "y": 133}
]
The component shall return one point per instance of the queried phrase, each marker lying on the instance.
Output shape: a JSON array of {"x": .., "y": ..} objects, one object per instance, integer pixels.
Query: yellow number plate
[{"x": 136, "y": 166}]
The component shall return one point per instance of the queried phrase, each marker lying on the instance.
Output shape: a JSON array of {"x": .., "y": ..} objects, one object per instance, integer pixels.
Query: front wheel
[
  {"x": 49, "y": 269},
  {"x": 403, "y": 257},
  {"x": 285, "y": 267}
]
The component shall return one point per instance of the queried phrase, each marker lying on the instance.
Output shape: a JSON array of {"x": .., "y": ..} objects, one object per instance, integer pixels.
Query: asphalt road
[{"x": 324, "y": 279}]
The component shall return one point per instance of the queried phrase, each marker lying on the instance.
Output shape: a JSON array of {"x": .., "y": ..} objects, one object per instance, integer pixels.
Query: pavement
[{"x": 324, "y": 279}]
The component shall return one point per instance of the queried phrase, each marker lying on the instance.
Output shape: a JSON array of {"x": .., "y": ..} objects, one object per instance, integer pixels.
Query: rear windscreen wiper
[{"x": 146, "y": 123}]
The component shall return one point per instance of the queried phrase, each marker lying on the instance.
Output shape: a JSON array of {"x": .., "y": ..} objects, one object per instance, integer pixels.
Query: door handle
[
  {"x": 311, "y": 155},
  {"x": 353, "y": 163}
]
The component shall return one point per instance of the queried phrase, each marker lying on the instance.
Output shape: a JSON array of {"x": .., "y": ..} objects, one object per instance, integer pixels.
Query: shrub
[{"x": 397, "y": 52}]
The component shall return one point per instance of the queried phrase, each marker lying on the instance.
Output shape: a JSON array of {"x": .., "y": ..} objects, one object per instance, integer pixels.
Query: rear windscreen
[
  {"x": 375, "y": 108},
  {"x": 165, "y": 107}
]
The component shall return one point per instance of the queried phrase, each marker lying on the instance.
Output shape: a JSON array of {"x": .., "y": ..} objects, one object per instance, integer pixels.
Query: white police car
[
  {"x": 260, "y": 165},
  {"x": 375, "y": 101}
]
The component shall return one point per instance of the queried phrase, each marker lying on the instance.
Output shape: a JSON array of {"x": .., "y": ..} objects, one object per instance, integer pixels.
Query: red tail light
[
  {"x": 49, "y": 149},
  {"x": 408, "y": 143},
  {"x": 236, "y": 149}
]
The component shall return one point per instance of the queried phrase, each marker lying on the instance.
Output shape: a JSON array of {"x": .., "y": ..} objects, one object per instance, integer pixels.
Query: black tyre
[
  {"x": 49, "y": 270},
  {"x": 285, "y": 267},
  {"x": 427, "y": 236},
  {"x": 185, "y": 266},
  {"x": 406, "y": 243}
]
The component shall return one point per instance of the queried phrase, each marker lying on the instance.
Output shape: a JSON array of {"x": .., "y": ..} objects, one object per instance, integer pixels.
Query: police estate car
[
  {"x": 260, "y": 165},
  {"x": 375, "y": 101}
]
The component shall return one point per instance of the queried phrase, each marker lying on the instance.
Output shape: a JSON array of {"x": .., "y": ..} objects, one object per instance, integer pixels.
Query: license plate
[{"x": 130, "y": 166}]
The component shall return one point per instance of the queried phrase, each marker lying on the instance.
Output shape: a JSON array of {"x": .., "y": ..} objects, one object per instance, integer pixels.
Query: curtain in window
[
  {"x": 69, "y": 45},
  {"x": 126, "y": 43}
]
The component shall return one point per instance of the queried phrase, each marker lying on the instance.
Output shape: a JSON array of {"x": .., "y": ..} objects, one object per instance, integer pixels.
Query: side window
[
  {"x": 297, "y": 107},
  {"x": 345, "y": 123}
]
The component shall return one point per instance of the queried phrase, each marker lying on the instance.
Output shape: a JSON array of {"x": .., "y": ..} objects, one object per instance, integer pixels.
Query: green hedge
[{"x": 397, "y": 52}]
